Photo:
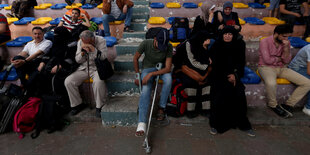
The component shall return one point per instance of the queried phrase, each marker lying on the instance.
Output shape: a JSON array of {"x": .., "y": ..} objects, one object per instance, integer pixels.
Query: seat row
[
  {"x": 57, "y": 6},
  {"x": 157, "y": 5}
]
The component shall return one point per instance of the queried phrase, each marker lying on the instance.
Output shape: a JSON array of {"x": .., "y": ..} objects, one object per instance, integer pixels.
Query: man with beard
[{"x": 274, "y": 55}]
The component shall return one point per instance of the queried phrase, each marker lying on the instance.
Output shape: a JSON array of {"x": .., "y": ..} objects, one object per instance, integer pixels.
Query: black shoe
[
  {"x": 77, "y": 109},
  {"x": 98, "y": 112},
  {"x": 288, "y": 109},
  {"x": 68, "y": 2},
  {"x": 191, "y": 114},
  {"x": 205, "y": 113},
  {"x": 280, "y": 111}
]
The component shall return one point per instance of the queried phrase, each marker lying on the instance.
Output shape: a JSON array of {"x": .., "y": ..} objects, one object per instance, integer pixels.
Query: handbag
[{"x": 104, "y": 67}]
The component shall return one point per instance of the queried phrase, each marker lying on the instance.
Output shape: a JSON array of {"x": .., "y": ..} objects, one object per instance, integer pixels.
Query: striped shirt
[
  {"x": 3, "y": 20},
  {"x": 69, "y": 24}
]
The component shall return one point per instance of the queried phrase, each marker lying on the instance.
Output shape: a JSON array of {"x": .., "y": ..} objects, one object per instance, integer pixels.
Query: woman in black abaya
[{"x": 228, "y": 101}]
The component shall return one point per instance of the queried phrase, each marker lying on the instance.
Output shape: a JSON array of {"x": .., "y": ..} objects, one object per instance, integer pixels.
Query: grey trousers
[{"x": 73, "y": 82}]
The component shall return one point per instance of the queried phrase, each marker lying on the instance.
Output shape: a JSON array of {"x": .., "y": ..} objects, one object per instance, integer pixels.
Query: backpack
[
  {"x": 177, "y": 102},
  {"x": 24, "y": 119},
  {"x": 179, "y": 30},
  {"x": 152, "y": 32}
]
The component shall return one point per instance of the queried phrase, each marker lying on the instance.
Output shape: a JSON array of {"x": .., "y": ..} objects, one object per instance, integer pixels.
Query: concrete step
[
  {"x": 140, "y": 35},
  {"x": 141, "y": 9},
  {"x": 194, "y": 12},
  {"x": 122, "y": 110},
  {"x": 138, "y": 26},
  {"x": 124, "y": 63},
  {"x": 141, "y": 2}
]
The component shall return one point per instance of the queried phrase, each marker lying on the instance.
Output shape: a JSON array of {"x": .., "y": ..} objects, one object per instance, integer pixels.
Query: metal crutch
[{"x": 146, "y": 144}]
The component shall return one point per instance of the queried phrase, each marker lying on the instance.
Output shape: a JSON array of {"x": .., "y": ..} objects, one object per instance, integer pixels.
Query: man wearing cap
[{"x": 155, "y": 51}]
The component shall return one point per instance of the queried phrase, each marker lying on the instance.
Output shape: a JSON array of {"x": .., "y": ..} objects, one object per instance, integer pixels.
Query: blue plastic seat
[
  {"x": 24, "y": 21},
  {"x": 190, "y": 5},
  {"x": 97, "y": 20},
  {"x": 157, "y": 5},
  {"x": 55, "y": 21},
  {"x": 250, "y": 77},
  {"x": 89, "y": 6},
  {"x": 256, "y": 5},
  {"x": 111, "y": 41},
  {"x": 12, "y": 75},
  {"x": 297, "y": 42},
  {"x": 59, "y": 6},
  {"x": 254, "y": 20},
  {"x": 20, "y": 41},
  {"x": 3, "y": 5}
]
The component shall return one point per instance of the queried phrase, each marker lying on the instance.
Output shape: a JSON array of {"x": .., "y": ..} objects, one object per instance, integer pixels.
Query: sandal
[
  {"x": 161, "y": 115},
  {"x": 140, "y": 129},
  {"x": 127, "y": 29}
]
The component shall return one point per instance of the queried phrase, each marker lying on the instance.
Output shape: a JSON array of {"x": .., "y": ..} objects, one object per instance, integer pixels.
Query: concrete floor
[{"x": 92, "y": 138}]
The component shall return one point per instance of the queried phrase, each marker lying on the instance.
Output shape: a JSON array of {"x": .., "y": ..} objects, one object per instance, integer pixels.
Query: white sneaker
[{"x": 306, "y": 111}]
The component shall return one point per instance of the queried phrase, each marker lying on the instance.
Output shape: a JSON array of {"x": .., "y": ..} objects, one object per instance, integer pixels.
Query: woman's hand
[
  {"x": 232, "y": 79},
  {"x": 54, "y": 69},
  {"x": 42, "y": 64}
]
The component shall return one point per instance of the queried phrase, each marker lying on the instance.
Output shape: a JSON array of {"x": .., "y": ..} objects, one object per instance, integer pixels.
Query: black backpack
[
  {"x": 179, "y": 30},
  {"x": 152, "y": 32}
]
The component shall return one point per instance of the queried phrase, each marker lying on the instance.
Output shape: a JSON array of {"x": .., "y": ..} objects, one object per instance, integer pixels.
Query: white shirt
[
  {"x": 32, "y": 48},
  {"x": 115, "y": 11}
]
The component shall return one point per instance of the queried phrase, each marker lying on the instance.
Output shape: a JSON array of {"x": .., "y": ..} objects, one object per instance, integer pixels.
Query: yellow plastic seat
[
  {"x": 74, "y": 5},
  {"x": 117, "y": 22},
  {"x": 90, "y": 80},
  {"x": 43, "y": 6},
  {"x": 267, "y": 5},
  {"x": 157, "y": 20},
  {"x": 42, "y": 20},
  {"x": 11, "y": 20},
  {"x": 241, "y": 21},
  {"x": 173, "y": 5},
  {"x": 308, "y": 39},
  {"x": 174, "y": 44},
  {"x": 200, "y": 4},
  {"x": 100, "y": 6},
  {"x": 273, "y": 20},
  {"x": 8, "y": 7},
  {"x": 240, "y": 5},
  {"x": 279, "y": 80},
  {"x": 262, "y": 38}
]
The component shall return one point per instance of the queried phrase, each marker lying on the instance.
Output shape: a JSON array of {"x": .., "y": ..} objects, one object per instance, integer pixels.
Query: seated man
[
  {"x": 156, "y": 50},
  {"x": 274, "y": 55},
  {"x": 291, "y": 12},
  {"x": 87, "y": 48},
  {"x": 116, "y": 10},
  {"x": 27, "y": 61},
  {"x": 74, "y": 24},
  {"x": 301, "y": 65},
  {"x": 20, "y": 8},
  {"x": 5, "y": 33}
]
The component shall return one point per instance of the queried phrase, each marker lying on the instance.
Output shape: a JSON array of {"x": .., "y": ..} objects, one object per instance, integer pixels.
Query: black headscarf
[
  {"x": 196, "y": 42},
  {"x": 228, "y": 29}
]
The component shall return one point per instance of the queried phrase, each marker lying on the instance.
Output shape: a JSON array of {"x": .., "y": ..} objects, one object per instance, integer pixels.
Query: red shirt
[{"x": 4, "y": 20}]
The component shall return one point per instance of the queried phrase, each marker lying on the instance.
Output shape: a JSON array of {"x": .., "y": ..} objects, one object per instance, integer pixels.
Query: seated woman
[
  {"x": 204, "y": 22},
  {"x": 60, "y": 61},
  {"x": 228, "y": 101},
  {"x": 192, "y": 62},
  {"x": 226, "y": 18}
]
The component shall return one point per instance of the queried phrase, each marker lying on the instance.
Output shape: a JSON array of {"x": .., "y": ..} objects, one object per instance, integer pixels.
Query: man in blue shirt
[{"x": 301, "y": 64}]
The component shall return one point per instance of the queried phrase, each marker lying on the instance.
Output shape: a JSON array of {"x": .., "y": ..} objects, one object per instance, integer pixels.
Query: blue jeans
[
  {"x": 303, "y": 71},
  {"x": 106, "y": 18},
  {"x": 145, "y": 98}
]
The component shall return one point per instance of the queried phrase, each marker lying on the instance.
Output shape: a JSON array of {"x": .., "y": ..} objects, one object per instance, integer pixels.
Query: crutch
[{"x": 146, "y": 144}]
